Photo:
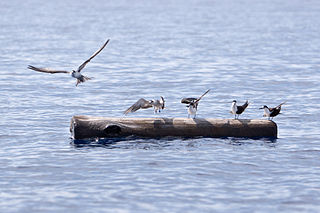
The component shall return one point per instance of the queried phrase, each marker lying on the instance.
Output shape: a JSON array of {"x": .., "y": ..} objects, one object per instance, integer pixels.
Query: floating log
[{"x": 85, "y": 127}]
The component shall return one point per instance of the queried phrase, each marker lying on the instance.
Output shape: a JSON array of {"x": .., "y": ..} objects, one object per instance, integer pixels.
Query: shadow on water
[
  {"x": 270, "y": 142},
  {"x": 134, "y": 142}
]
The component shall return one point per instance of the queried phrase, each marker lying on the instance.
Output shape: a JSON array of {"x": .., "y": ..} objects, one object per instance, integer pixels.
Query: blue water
[{"x": 264, "y": 51}]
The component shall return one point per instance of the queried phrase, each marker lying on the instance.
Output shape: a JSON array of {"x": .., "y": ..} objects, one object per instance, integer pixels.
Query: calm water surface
[{"x": 263, "y": 51}]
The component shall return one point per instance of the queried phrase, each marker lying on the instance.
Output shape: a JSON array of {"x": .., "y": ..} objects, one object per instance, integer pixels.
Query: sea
[{"x": 266, "y": 52}]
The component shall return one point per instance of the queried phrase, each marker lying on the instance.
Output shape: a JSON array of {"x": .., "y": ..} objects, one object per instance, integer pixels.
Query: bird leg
[{"x": 78, "y": 81}]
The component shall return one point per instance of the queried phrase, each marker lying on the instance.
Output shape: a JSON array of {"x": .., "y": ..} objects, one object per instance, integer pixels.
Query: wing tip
[{"x": 128, "y": 111}]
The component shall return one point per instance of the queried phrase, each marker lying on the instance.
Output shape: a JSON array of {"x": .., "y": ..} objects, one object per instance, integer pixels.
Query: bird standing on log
[
  {"x": 237, "y": 110},
  {"x": 193, "y": 104},
  {"x": 74, "y": 73},
  {"x": 142, "y": 103},
  {"x": 271, "y": 112}
]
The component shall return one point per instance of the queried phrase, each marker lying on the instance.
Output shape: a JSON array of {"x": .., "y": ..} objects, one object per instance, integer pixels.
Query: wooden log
[{"x": 84, "y": 127}]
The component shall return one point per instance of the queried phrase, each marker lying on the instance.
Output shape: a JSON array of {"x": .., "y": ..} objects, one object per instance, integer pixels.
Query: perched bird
[
  {"x": 142, "y": 103},
  {"x": 193, "y": 104},
  {"x": 237, "y": 110},
  {"x": 271, "y": 112},
  {"x": 74, "y": 73}
]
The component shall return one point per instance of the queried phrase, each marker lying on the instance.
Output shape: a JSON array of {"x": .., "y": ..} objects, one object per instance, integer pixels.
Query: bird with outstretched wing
[
  {"x": 193, "y": 104},
  {"x": 74, "y": 73}
]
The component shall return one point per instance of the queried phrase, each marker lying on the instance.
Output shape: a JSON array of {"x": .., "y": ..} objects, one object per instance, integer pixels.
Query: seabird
[
  {"x": 271, "y": 112},
  {"x": 142, "y": 103},
  {"x": 74, "y": 73},
  {"x": 193, "y": 104},
  {"x": 237, "y": 110}
]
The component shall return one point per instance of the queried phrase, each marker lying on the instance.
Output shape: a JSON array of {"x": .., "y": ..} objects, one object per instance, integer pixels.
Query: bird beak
[{"x": 261, "y": 108}]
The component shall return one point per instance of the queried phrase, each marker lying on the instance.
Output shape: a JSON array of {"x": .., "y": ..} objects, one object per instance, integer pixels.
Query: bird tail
[
  {"x": 82, "y": 79},
  {"x": 85, "y": 78}
]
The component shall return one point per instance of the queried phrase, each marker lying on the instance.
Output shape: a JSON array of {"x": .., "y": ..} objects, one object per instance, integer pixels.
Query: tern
[
  {"x": 142, "y": 103},
  {"x": 193, "y": 104},
  {"x": 237, "y": 110},
  {"x": 271, "y": 112},
  {"x": 74, "y": 73}
]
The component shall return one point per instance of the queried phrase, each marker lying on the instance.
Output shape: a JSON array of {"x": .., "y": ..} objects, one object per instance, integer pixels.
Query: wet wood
[{"x": 84, "y": 127}]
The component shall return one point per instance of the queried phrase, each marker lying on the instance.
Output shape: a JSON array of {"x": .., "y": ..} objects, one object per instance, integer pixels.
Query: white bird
[
  {"x": 192, "y": 109},
  {"x": 142, "y": 103},
  {"x": 158, "y": 105},
  {"x": 237, "y": 110},
  {"x": 193, "y": 104},
  {"x": 74, "y": 73}
]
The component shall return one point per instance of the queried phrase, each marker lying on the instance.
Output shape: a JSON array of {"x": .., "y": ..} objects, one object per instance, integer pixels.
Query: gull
[
  {"x": 271, "y": 112},
  {"x": 193, "y": 104},
  {"x": 74, "y": 73},
  {"x": 142, "y": 103},
  {"x": 237, "y": 110}
]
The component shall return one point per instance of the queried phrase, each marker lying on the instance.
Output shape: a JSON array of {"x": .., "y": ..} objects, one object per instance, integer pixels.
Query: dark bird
[
  {"x": 193, "y": 104},
  {"x": 237, "y": 110},
  {"x": 271, "y": 112},
  {"x": 142, "y": 103},
  {"x": 74, "y": 73}
]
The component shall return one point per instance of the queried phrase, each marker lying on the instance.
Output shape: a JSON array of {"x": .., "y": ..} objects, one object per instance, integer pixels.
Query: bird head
[
  {"x": 234, "y": 101},
  {"x": 265, "y": 106}
]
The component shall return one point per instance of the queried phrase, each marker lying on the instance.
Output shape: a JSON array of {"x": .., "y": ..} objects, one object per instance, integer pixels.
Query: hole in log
[{"x": 112, "y": 130}]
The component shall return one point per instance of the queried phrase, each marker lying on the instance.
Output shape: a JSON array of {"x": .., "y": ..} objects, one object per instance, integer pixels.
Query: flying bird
[
  {"x": 193, "y": 104},
  {"x": 74, "y": 73},
  {"x": 271, "y": 112},
  {"x": 237, "y": 110},
  {"x": 142, "y": 103}
]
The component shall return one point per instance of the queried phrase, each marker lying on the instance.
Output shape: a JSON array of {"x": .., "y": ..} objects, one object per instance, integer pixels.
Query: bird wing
[
  {"x": 280, "y": 104},
  {"x": 276, "y": 108},
  {"x": 91, "y": 57},
  {"x": 141, "y": 103},
  {"x": 240, "y": 109},
  {"x": 188, "y": 100},
  {"x": 47, "y": 70},
  {"x": 202, "y": 95},
  {"x": 245, "y": 105},
  {"x": 271, "y": 109},
  {"x": 162, "y": 101}
]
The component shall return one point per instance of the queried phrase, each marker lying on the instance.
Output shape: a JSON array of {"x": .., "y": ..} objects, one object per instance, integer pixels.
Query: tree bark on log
[{"x": 85, "y": 127}]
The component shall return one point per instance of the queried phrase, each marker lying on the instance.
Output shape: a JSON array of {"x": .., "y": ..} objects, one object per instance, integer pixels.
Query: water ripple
[{"x": 265, "y": 52}]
